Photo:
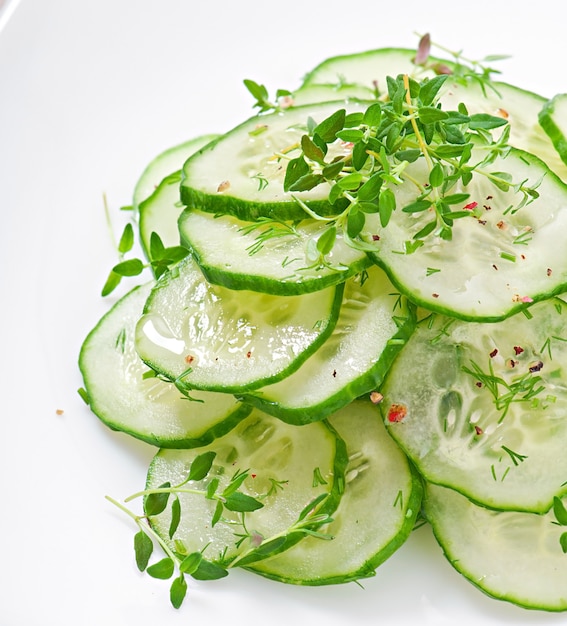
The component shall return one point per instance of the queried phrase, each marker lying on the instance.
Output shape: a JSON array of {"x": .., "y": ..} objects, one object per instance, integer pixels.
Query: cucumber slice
[
  {"x": 553, "y": 120},
  {"x": 496, "y": 263},
  {"x": 164, "y": 164},
  {"x": 373, "y": 326},
  {"x": 510, "y": 556},
  {"x": 147, "y": 408},
  {"x": 282, "y": 462},
  {"x": 203, "y": 336},
  {"x": 274, "y": 257},
  {"x": 241, "y": 174},
  {"x": 374, "y": 518},
  {"x": 482, "y": 408}
]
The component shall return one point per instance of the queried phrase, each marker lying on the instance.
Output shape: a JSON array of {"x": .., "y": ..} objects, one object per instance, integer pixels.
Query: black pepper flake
[
  {"x": 536, "y": 367},
  {"x": 494, "y": 353}
]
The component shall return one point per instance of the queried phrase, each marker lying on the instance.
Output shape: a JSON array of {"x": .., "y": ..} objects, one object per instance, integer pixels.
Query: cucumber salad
[{"x": 354, "y": 301}]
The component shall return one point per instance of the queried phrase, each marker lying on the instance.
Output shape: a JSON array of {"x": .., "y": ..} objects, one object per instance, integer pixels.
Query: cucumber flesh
[
  {"x": 312, "y": 94},
  {"x": 376, "y": 513},
  {"x": 270, "y": 256},
  {"x": 511, "y": 556},
  {"x": 482, "y": 408},
  {"x": 495, "y": 264},
  {"x": 242, "y": 174},
  {"x": 282, "y": 462},
  {"x": 149, "y": 409},
  {"x": 373, "y": 326},
  {"x": 203, "y": 336}
]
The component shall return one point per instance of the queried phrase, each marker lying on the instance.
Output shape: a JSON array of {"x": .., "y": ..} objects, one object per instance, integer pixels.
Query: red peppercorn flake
[
  {"x": 518, "y": 350},
  {"x": 478, "y": 430},
  {"x": 189, "y": 359},
  {"x": 470, "y": 206},
  {"x": 397, "y": 412}
]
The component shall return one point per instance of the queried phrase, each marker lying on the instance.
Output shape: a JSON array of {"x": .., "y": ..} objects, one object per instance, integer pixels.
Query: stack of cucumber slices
[{"x": 353, "y": 321}]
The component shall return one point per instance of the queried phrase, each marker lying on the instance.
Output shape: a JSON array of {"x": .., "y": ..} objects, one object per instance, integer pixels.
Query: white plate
[{"x": 90, "y": 91}]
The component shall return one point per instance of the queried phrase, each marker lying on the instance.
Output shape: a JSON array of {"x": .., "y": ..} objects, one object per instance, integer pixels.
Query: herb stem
[
  {"x": 284, "y": 152},
  {"x": 144, "y": 527},
  {"x": 178, "y": 489},
  {"x": 422, "y": 145}
]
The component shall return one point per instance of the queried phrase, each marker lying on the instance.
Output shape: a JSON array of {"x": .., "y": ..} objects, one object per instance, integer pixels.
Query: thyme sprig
[
  {"x": 262, "y": 97},
  {"x": 160, "y": 258},
  {"x": 382, "y": 142},
  {"x": 250, "y": 546}
]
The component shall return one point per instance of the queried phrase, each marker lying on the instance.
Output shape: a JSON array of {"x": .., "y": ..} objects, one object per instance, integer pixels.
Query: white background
[{"x": 90, "y": 91}]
